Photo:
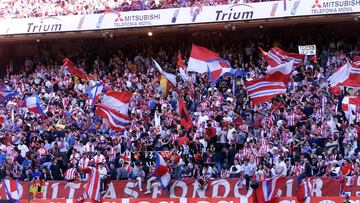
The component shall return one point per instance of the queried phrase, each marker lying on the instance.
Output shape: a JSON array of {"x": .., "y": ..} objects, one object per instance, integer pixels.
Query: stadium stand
[{"x": 124, "y": 111}]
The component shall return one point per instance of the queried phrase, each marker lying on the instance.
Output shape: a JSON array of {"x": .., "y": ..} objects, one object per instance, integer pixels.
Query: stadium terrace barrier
[
  {"x": 179, "y": 16},
  {"x": 217, "y": 188}
]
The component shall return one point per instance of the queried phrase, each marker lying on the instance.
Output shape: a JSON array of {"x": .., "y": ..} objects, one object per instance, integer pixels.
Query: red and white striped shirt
[
  {"x": 42, "y": 152},
  {"x": 297, "y": 170},
  {"x": 99, "y": 159},
  {"x": 247, "y": 152},
  {"x": 89, "y": 147},
  {"x": 112, "y": 153},
  {"x": 204, "y": 104},
  {"x": 84, "y": 162},
  {"x": 71, "y": 174},
  {"x": 290, "y": 118},
  {"x": 173, "y": 138},
  {"x": 74, "y": 158}
]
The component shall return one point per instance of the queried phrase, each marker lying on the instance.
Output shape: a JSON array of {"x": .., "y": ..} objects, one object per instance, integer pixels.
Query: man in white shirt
[
  {"x": 23, "y": 149},
  {"x": 249, "y": 169},
  {"x": 235, "y": 170},
  {"x": 99, "y": 158},
  {"x": 281, "y": 168},
  {"x": 203, "y": 117},
  {"x": 103, "y": 176}
]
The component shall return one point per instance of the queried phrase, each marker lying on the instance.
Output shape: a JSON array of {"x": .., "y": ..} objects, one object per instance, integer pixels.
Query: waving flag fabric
[
  {"x": 340, "y": 75},
  {"x": 118, "y": 101},
  {"x": 170, "y": 77},
  {"x": 182, "y": 70},
  {"x": 350, "y": 105},
  {"x": 116, "y": 120},
  {"x": 276, "y": 56},
  {"x": 11, "y": 188},
  {"x": 219, "y": 68},
  {"x": 199, "y": 59},
  {"x": 73, "y": 70},
  {"x": 165, "y": 85},
  {"x": 281, "y": 72},
  {"x": 92, "y": 189},
  {"x": 5, "y": 93},
  {"x": 353, "y": 79},
  {"x": 274, "y": 83},
  {"x": 185, "y": 119},
  {"x": 161, "y": 171},
  {"x": 32, "y": 103},
  {"x": 203, "y": 60},
  {"x": 262, "y": 90},
  {"x": 114, "y": 108},
  {"x": 94, "y": 92}
]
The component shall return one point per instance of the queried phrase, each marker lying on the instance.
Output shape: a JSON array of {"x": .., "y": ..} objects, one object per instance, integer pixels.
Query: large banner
[
  {"x": 179, "y": 16},
  {"x": 204, "y": 200},
  {"x": 217, "y": 188}
]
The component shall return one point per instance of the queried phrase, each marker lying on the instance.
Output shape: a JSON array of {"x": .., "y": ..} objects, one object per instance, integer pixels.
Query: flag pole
[
  {"x": 28, "y": 188},
  {"x": 233, "y": 85}
]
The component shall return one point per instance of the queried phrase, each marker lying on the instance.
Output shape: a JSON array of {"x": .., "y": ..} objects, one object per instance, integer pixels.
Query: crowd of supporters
[
  {"x": 43, "y": 8},
  {"x": 298, "y": 134}
]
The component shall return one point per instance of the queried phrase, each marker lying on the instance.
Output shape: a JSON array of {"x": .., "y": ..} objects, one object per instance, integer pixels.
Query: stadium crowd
[
  {"x": 298, "y": 134},
  {"x": 37, "y": 8}
]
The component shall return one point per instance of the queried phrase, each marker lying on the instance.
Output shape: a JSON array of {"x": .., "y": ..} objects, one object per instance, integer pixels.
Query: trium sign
[
  {"x": 48, "y": 24},
  {"x": 235, "y": 12}
]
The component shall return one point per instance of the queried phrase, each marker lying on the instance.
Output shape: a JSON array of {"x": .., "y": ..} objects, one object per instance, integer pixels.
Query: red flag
[
  {"x": 180, "y": 62},
  {"x": 185, "y": 119},
  {"x": 335, "y": 90},
  {"x": 73, "y": 70}
]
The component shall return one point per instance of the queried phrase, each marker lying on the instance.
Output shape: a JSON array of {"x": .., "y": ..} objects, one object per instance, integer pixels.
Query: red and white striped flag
[
  {"x": 273, "y": 84},
  {"x": 262, "y": 90},
  {"x": 182, "y": 69},
  {"x": 277, "y": 56},
  {"x": 114, "y": 108},
  {"x": 92, "y": 189},
  {"x": 347, "y": 75},
  {"x": 11, "y": 188}
]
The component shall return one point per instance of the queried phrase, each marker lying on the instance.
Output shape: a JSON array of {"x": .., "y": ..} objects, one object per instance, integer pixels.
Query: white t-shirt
[
  {"x": 23, "y": 150},
  {"x": 102, "y": 172},
  {"x": 283, "y": 165},
  {"x": 203, "y": 119}
]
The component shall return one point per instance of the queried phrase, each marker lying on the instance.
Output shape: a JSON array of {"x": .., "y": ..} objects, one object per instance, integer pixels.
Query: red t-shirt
[
  {"x": 210, "y": 132},
  {"x": 346, "y": 169},
  {"x": 358, "y": 132},
  {"x": 238, "y": 121},
  {"x": 183, "y": 140}
]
